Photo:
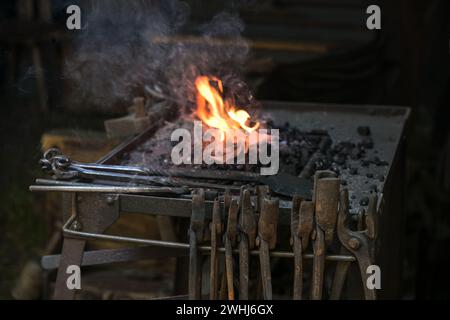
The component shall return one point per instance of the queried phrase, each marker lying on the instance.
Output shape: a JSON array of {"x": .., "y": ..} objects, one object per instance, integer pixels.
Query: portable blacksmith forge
[{"x": 352, "y": 220}]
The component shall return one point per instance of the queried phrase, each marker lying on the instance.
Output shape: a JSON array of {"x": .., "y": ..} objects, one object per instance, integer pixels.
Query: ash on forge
[
  {"x": 285, "y": 148},
  {"x": 233, "y": 138}
]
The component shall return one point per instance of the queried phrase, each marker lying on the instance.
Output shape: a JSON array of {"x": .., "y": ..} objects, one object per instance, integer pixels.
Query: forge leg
[
  {"x": 95, "y": 213},
  {"x": 181, "y": 278},
  {"x": 72, "y": 254}
]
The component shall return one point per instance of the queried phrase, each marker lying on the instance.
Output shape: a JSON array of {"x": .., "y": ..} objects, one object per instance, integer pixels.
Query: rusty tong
[
  {"x": 230, "y": 240},
  {"x": 196, "y": 230},
  {"x": 247, "y": 239},
  {"x": 267, "y": 239},
  {"x": 302, "y": 222},
  {"x": 216, "y": 231},
  {"x": 64, "y": 168},
  {"x": 359, "y": 243},
  {"x": 326, "y": 201}
]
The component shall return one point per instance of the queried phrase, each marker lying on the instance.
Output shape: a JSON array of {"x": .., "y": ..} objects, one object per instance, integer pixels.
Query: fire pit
[{"x": 360, "y": 147}]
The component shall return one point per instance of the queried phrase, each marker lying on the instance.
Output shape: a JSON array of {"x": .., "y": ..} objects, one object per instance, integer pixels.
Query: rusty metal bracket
[
  {"x": 267, "y": 239},
  {"x": 70, "y": 233},
  {"x": 90, "y": 213},
  {"x": 359, "y": 243},
  {"x": 326, "y": 201},
  {"x": 195, "y": 237},
  {"x": 216, "y": 230},
  {"x": 339, "y": 277},
  {"x": 247, "y": 238},
  {"x": 261, "y": 192},
  {"x": 302, "y": 222},
  {"x": 297, "y": 248},
  {"x": 230, "y": 240},
  {"x": 90, "y": 225}
]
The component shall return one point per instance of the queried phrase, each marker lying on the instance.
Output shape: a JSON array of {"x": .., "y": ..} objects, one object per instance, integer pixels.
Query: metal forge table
[{"x": 88, "y": 214}]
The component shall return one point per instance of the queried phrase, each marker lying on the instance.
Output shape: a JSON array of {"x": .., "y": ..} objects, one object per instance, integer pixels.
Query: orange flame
[{"x": 217, "y": 112}]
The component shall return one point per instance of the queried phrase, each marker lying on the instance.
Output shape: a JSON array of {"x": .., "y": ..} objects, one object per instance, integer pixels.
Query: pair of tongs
[{"x": 62, "y": 167}]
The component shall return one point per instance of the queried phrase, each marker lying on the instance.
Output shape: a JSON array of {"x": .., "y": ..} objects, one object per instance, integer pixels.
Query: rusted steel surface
[
  {"x": 306, "y": 222},
  {"x": 326, "y": 201},
  {"x": 71, "y": 254},
  {"x": 357, "y": 242},
  {"x": 247, "y": 234},
  {"x": 230, "y": 240},
  {"x": 216, "y": 231},
  {"x": 90, "y": 213},
  {"x": 267, "y": 238},
  {"x": 196, "y": 237},
  {"x": 297, "y": 248},
  {"x": 339, "y": 277},
  {"x": 239, "y": 223},
  {"x": 302, "y": 223}
]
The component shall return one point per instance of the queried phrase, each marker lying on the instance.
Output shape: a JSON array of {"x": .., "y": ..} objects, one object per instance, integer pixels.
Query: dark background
[{"x": 406, "y": 63}]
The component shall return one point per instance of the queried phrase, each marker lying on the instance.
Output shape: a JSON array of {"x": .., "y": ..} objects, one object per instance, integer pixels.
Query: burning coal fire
[
  {"x": 219, "y": 112},
  {"x": 216, "y": 112}
]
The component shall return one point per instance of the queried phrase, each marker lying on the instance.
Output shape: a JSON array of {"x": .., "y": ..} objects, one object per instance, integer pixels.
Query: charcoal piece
[
  {"x": 335, "y": 169},
  {"x": 356, "y": 154},
  {"x": 369, "y": 175},
  {"x": 367, "y": 143},
  {"x": 376, "y": 161},
  {"x": 363, "y": 130},
  {"x": 319, "y": 132},
  {"x": 364, "y": 201},
  {"x": 285, "y": 149},
  {"x": 339, "y": 159},
  {"x": 353, "y": 171}
]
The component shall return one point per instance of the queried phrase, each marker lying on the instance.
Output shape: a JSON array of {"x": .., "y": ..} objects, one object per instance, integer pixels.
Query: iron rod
[
  {"x": 105, "y": 189},
  {"x": 179, "y": 245}
]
